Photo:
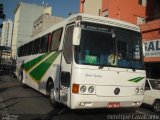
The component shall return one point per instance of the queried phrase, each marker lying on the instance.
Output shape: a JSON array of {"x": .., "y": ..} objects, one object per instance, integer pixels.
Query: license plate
[{"x": 113, "y": 105}]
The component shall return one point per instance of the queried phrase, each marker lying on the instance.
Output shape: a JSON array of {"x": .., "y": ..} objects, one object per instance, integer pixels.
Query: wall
[
  {"x": 92, "y": 7},
  {"x": 25, "y": 14},
  {"x": 127, "y": 11},
  {"x": 7, "y": 33},
  {"x": 151, "y": 33}
]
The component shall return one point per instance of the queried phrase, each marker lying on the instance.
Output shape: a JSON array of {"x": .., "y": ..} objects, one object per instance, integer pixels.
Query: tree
[
  {"x": 2, "y": 15},
  {"x": 1, "y": 25}
]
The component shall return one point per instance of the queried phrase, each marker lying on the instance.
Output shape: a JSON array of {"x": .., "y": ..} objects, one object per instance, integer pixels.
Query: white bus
[{"x": 86, "y": 62}]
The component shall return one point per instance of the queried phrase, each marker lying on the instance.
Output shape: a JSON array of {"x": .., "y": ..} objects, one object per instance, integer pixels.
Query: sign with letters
[{"x": 152, "y": 48}]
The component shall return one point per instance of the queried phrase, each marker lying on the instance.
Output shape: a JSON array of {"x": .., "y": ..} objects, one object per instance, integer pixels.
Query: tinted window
[
  {"x": 44, "y": 44},
  {"x": 20, "y": 51},
  {"x": 147, "y": 86},
  {"x": 30, "y": 46},
  {"x": 68, "y": 44},
  {"x": 56, "y": 38},
  {"x": 24, "y": 50},
  {"x": 36, "y": 45}
]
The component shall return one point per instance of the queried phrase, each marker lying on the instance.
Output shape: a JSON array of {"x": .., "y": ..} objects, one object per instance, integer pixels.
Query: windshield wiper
[
  {"x": 132, "y": 66},
  {"x": 101, "y": 66}
]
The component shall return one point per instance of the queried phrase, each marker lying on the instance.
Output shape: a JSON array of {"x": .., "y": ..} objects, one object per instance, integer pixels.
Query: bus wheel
[
  {"x": 51, "y": 91},
  {"x": 156, "y": 106},
  {"x": 21, "y": 79}
]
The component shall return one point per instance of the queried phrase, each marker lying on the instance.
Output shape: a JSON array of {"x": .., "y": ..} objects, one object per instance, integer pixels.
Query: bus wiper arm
[
  {"x": 132, "y": 66},
  {"x": 101, "y": 66}
]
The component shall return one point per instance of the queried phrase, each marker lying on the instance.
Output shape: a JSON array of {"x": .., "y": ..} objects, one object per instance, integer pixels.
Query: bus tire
[
  {"x": 21, "y": 79},
  {"x": 51, "y": 93},
  {"x": 156, "y": 106}
]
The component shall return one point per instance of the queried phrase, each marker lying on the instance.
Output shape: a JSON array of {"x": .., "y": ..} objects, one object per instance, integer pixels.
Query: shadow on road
[
  {"x": 87, "y": 113},
  {"x": 55, "y": 112},
  {"x": 3, "y": 89},
  {"x": 8, "y": 106},
  {"x": 14, "y": 98}
]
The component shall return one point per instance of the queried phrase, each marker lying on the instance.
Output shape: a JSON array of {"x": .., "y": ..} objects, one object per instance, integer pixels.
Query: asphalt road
[{"x": 18, "y": 103}]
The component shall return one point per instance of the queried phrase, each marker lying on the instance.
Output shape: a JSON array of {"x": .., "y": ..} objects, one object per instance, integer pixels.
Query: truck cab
[{"x": 152, "y": 94}]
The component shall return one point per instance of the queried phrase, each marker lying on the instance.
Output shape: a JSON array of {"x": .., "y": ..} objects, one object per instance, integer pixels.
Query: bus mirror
[
  {"x": 76, "y": 36},
  {"x": 113, "y": 35}
]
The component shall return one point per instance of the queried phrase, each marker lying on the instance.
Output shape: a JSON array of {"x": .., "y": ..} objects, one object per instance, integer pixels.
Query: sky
[{"x": 60, "y": 8}]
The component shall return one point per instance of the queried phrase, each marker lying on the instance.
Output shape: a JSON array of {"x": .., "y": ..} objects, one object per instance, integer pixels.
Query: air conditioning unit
[{"x": 140, "y": 20}]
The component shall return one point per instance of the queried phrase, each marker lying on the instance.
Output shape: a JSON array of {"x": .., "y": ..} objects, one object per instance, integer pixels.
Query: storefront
[{"x": 152, "y": 58}]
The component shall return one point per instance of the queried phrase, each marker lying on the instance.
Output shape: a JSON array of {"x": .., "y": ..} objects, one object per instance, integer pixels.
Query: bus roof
[
  {"x": 105, "y": 20},
  {"x": 89, "y": 18},
  {"x": 96, "y": 19}
]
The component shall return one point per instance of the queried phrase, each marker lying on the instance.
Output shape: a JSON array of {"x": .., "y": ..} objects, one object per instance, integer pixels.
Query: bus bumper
[{"x": 92, "y": 101}]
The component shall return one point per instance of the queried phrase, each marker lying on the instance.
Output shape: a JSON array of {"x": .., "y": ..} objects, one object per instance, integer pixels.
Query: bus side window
[
  {"x": 36, "y": 45},
  {"x": 27, "y": 47},
  {"x": 30, "y": 46},
  {"x": 56, "y": 39},
  {"x": 24, "y": 50},
  {"x": 67, "y": 50},
  {"x": 19, "y": 51},
  {"x": 44, "y": 44}
]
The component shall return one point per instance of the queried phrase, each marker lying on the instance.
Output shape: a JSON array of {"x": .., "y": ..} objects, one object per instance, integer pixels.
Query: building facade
[
  {"x": 146, "y": 14},
  {"x": 6, "y": 35},
  {"x": 43, "y": 22},
  {"x": 91, "y": 7},
  {"x": 6, "y": 41},
  {"x": 25, "y": 15}
]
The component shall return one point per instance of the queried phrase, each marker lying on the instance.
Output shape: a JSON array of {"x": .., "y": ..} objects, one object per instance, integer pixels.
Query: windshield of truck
[
  {"x": 155, "y": 84},
  {"x": 108, "y": 46}
]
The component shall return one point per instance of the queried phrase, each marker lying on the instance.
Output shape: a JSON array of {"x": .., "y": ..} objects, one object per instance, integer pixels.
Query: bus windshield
[{"x": 109, "y": 46}]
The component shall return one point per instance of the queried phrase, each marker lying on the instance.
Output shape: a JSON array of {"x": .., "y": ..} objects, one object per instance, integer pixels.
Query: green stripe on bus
[
  {"x": 27, "y": 66},
  {"x": 137, "y": 79},
  {"x": 133, "y": 79},
  {"x": 42, "y": 68}
]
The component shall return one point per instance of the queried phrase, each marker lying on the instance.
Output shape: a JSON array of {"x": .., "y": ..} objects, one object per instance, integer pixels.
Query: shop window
[
  {"x": 140, "y": 2},
  {"x": 105, "y": 13}
]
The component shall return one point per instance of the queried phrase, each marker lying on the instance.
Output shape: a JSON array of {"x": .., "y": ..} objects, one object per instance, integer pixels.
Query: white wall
[
  {"x": 25, "y": 15},
  {"x": 7, "y": 33},
  {"x": 92, "y": 6}
]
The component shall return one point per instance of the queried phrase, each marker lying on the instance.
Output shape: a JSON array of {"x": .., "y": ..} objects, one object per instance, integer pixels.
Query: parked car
[
  {"x": 7, "y": 70},
  {"x": 152, "y": 94},
  {"x": 4, "y": 70}
]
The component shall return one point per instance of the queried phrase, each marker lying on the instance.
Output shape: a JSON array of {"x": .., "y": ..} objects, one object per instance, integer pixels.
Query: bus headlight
[
  {"x": 142, "y": 90},
  {"x": 91, "y": 89},
  {"x": 83, "y": 89},
  {"x": 137, "y": 90}
]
